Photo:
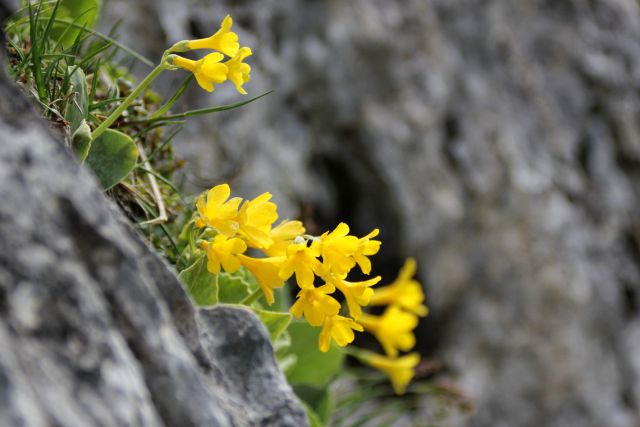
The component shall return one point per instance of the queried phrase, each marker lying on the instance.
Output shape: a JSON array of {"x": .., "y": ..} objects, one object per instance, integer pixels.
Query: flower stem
[
  {"x": 252, "y": 297},
  {"x": 128, "y": 100},
  {"x": 356, "y": 352}
]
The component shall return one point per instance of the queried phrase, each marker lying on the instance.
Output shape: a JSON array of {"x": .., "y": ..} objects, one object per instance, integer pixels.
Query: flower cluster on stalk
[
  {"x": 404, "y": 299},
  {"x": 319, "y": 264},
  {"x": 210, "y": 70}
]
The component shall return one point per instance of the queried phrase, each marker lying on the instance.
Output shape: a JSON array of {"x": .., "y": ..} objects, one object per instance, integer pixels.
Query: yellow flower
[
  {"x": 255, "y": 219},
  {"x": 217, "y": 211},
  {"x": 315, "y": 304},
  {"x": 302, "y": 260},
  {"x": 357, "y": 294},
  {"x": 400, "y": 370},
  {"x": 265, "y": 271},
  {"x": 224, "y": 40},
  {"x": 224, "y": 251},
  {"x": 337, "y": 247},
  {"x": 366, "y": 247},
  {"x": 208, "y": 70},
  {"x": 338, "y": 328},
  {"x": 282, "y": 235},
  {"x": 393, "y": 329},
  {"x": 404, "y": 292},
  {"x": 239, "y": 72}
]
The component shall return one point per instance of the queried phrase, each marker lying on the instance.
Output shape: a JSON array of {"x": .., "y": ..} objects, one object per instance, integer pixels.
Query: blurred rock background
[{"x": 498, "y": 142}]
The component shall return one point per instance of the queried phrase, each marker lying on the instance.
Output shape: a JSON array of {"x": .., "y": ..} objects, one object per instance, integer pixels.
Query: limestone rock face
[
  {"x": 95, "y": 329},
  {"x": 497, "y": 141}
]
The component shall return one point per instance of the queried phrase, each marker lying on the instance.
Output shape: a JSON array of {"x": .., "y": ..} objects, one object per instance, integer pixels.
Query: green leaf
[
  {"x": 201, "y": 284},
  {"x": 275, "y": 322},
  {"x": 249, "y": 279},
  {"x": 319, "y": 401},
  {"x": 111, "y": 157},
  {"x": 207, "y": 110},
  {"x": 77, "y": 107},
  {"x": 282, "y": 344},
  {"x": 84, "y": 13},
  {"x": 287, "y": 362},
  {"x": 233, "y": 287},
  {"x": 314, "y": 368},
  {"x": 81, "y": 141},
  {"x": 314, "y": 419}
]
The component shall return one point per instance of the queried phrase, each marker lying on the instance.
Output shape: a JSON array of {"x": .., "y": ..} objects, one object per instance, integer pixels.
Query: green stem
[
  {"x": 354, "y": 352},
  {"x": 128, "y": 100},
  {"x": 192, "y": 241},
  {"x": 252, "y": 297}
]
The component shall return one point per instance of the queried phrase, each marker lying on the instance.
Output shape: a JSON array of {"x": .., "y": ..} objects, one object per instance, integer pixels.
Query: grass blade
[{"x": 201, "y": 111}]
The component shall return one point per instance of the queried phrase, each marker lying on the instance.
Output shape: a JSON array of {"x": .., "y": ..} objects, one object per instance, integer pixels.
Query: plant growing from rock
[{"x": 227, "y": 250}]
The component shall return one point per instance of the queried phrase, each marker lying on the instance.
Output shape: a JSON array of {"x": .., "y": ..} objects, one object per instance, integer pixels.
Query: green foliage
[
  {"x": 202, "y": 285},
  {"x": 111, "y": 157},
  {"x": 312, "y": 417},
  {"x": 317, "y": 402},
  {"x": 78, "y": 103},
  {"x": 70, "y": 71},
  {"x": 208, "y": 289},
  {"x": 313, "y": 371},
  {"x": 313, "y": 368},
  {"x": 83, "y": 13},
  {"x": 276, "y": 322},
  {"x": 234, "y": 287},
  {"x": 81, "y": 141}
]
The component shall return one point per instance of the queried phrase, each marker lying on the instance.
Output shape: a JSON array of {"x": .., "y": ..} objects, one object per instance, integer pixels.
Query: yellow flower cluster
[
  {"x": 320, "y": 266},
  {"x": 209, "y": 70},
  {"x": 289, "y": 252},
  {"x": 394, "y": 328}
]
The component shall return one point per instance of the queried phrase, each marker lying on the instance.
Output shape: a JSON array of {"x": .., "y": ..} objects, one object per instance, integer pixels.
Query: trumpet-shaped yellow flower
[
  {"x": 404, "y": 292},
  {"x": 337, "y": 248},
  {"x": 265, "y": 271},
  {"x": 255, "y": 219},
  {"x": 303, "y": 261},
  {"x": 239, "y": 72},
  {"x": 357, "y": 294},
  {"x": 224, "y": 40},
  {"x": 282, "y": 235},
  {"x": 224, "y": 251},
  {"x": 315, "y": 304},
  {"x": 207, "y": 71},
  {"x": 338, "y": 328},
  {"x": 217, "y": 211},
  {"x": 366, "y": 247},
  {"x": 394, "y": 329},
  {"x": 400, "y": 370}
]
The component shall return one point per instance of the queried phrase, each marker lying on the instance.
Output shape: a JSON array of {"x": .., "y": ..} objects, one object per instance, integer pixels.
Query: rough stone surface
[
  {"x": 497, "y": 141},
  {"x": 95, "y": 329}
]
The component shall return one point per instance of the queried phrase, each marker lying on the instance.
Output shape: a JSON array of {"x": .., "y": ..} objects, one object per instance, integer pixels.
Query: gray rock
[
  {"x": 95, "y": 329},
  {"x": 497, "y": 141}
]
